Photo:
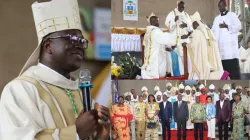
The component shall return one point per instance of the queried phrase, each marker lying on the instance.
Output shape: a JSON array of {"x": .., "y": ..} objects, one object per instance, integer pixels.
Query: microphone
[{"x": 85, "y": 86}]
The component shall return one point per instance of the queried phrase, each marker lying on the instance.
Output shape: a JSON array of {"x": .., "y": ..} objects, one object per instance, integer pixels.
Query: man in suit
[
  {"x": 165, "y": 115},
  {"x": 181, "y": 116},
  {"x": 223, "y": 115}
]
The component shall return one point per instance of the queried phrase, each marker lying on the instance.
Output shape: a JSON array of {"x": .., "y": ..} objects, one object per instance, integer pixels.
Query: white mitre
[
  {"x": 168, "y": 84},
  {"x": 156, "y": 88},
  {"x": 226, "y": 87},
  {"x": 201, "y": 86},
  {"x": 238, "y": 87},
  {"x": 187, "y": 88},
  {"x": 148, "y": 18},
  {"x": 195, "y": 17},
  {"x": 144, "y": 89},
  {"x": 181, "y": 86},
  {"x": 53, "y": 16},
  {"x": 212, "y": 86}
]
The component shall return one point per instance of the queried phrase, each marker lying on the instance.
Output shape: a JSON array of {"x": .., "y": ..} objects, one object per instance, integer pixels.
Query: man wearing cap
[
  {"x": 243, "y": 95},
  {"x": 189, "y": 99},
  {"x": 44, "y": 102},
  {"x": 144, "y": 94},
  {"x": 169, "y": 86},
  {"x": 128, "y": 96},
  {"x": 213, "y": 94},
  {"x": 226, "y": 27},
  {"x": 158, "y": 94},
  {"x": 226, "y": 89},
  {"x": 154, "y": 65},
  {"x": 205, "y": 62},
  {"x": 181, "y": 89},
  {"x": 139, "y": 111},
  {"x": 165, "y": 116},
  {"x": 179, "y": 23}
]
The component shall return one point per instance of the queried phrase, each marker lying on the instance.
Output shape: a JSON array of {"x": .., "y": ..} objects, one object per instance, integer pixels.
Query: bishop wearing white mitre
[
  {"x": 154, "y": 41},
  {"x": 179, "y": 23},
  {"x": 44, "y": 101}
]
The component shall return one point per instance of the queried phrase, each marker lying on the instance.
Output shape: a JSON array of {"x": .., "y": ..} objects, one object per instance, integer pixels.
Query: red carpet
[{"x": 190, "y": 135}]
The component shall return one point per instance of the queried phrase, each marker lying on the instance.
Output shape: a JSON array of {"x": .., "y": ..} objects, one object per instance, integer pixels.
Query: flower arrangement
[
  {"x": 115, "y": 70},
  {"x": 130, "y": 67}
]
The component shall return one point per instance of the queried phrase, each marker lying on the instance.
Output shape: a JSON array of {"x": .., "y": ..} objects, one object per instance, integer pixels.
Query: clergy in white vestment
[
  {"x": 134, "y": 97},
  {"x": 158, "y": 94},
  {"x": 179, "y": 23},
  {"x": 169, "y": 86},
  {"x": 226, "y": 89},
  {"x": 154, "y": 42},
  {"x": 181, "y": 90},
  {"x": 244, "y": 96},
  {"x": 144, "y": 91},
  {"x": 190, "y": 100},
  {"x": 245, "y": 59},
  {"x": 226, "y": 27},
  {"x": 213, "y": 94},
  {"x": 44, "y": 101},
  {"x": 203, "y": 52},
  {"x": 232, "y": 90}
]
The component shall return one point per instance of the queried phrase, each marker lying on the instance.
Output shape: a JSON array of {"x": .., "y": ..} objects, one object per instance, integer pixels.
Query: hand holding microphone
[{"x": 90, "y": 121}]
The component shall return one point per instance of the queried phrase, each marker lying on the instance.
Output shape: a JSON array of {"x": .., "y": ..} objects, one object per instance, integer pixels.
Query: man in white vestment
[
  {"x": 155, "y": 40},
  {"x": 131, "y": 104},
  {"x": 145, "y": 94},
  {"x": 44, "y": 101},
  {"x": 179, "y": 23},
  {"x": 232, "y": 90},
  {"x": 168, "y": 91},
  {"x": 203, "y": 52},
  {"x": 213, "y": 94},
  {"x": 226, "y": 89},
  {"x": 134, "y": 97},
  {"x": 181, "y": 89},
  {"x": 158, "y": 94},
  {"x": 226, "y": 27},
  {"x": 245, "y": 59}
]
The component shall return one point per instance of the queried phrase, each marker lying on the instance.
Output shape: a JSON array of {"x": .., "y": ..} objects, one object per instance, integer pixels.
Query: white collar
[{"x": 46, "y": 74}]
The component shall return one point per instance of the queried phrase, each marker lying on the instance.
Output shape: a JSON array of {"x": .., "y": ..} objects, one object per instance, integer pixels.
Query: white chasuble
[
  {"x": 154, "y": 65},
  {"x": 174, "y": 27}
]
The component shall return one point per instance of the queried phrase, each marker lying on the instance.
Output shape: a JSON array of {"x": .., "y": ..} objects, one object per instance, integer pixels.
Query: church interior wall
[{"x": 207, "y": 8}]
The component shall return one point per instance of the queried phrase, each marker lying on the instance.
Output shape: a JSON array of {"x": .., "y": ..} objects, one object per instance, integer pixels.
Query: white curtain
[{"x": 125, "y": 43}]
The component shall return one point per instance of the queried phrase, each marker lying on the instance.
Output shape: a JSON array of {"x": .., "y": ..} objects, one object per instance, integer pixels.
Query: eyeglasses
[{"x": 74, "y": 40}]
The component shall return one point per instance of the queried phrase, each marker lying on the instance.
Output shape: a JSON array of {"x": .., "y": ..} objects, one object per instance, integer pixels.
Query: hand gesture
[
  {"x": 184, "y": 36},
  {"x": 243, "y": 60},
  {"x": 224, "y": 25},
  {"x": 183, "y": 25},
  {"x": 169, "y": 49},
  {"x": 176, "y": 18},
  {"x": 103, "y": 129},
  {"x": 86, "y": 124}
]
